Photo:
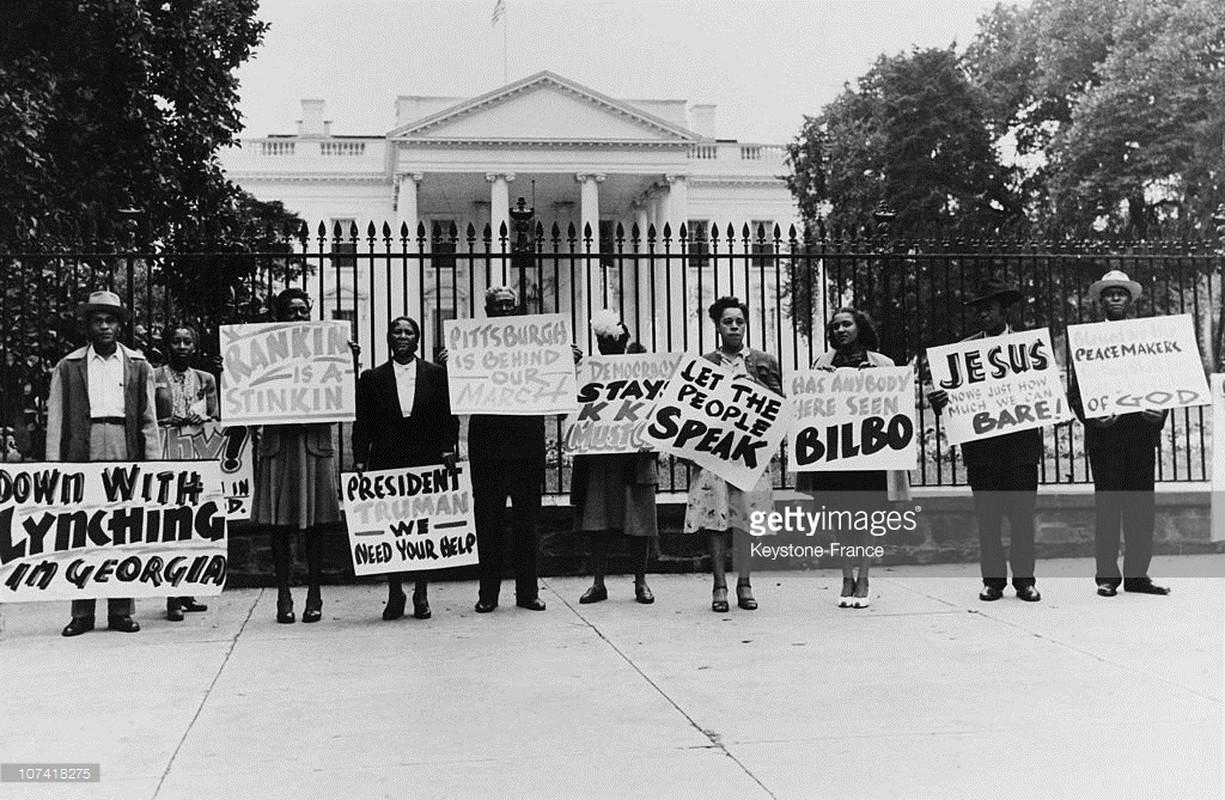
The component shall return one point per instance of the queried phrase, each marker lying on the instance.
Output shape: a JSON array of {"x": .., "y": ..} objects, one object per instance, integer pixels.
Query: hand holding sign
[
  {"x": 997, "y": 385},
  {"x": 1140, "y": 364},
  {"x": 723, "y": 422}
]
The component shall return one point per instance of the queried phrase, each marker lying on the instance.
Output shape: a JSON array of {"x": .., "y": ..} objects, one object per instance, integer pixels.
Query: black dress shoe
[
  {"x": 1144, "y": 586},
  {"x": 421, "y": 606},
  {"x": 486, "y": 606},
  {"x": 1107, "y": 589},
  {"x": 313, "y": 612},
  {"x": 642, "y": 593},
  {"x": 124, "y": 624},
  {"x": 395, "y": 607},
  {"x": 284, "y": 608},
  {"x": 79, "y": 625},
  {"x": 1029, "y": 594},
  {"x": 594, "y": 594},
  {"x": 990, "y": 593},
  {"x": 190, "y": 604},
  {"x": 531, "y": 604},
  {"x": 174, "y": 611}
]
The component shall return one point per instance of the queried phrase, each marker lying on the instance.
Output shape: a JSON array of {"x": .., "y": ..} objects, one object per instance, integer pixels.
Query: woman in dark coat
[
  {"x": 615, "y": 493},
  {"x": 404, "y": 420},
  {"x": 295, "y": 484}
]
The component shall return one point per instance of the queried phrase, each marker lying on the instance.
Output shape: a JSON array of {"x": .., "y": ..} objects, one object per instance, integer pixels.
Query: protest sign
[
  {"x": 405, "y": 520},
  {"x": 1135, "y": 364},
  {"x": 616, "y": 395},
  {"x": 1218, "y": 457},
  {"x": 998, "y": 385},
  {"x": 146, "y": 529},
  {"x": 281, "y": 373},
  {"x": 853, "y": 419},
  {"x": 722, "y": 422},
  {"x": 511, "y": 365},
  {"x": 230, "y": 446}
]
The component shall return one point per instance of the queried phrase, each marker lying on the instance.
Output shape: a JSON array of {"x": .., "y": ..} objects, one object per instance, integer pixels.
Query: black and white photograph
[{"x": 779, "y": 399}]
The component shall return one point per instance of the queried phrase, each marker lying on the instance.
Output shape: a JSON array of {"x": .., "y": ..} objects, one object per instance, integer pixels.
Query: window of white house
[
  {"x": 758, "y": 248},
  {"x": 343, "y": 249},
  {"x": 699, "y": 242}
]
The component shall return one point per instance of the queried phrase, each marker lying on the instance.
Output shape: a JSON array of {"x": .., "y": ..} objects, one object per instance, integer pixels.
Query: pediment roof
[{"x": 544, "y": 107}]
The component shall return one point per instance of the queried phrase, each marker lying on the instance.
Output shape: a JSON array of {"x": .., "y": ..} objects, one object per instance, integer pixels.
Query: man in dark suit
[
  {"x": 1002, "y": 471},
  {"x": 101, "y": 407},
  {"x": 404, "y": 420},
  {"x": 506, "y": 455},
  {"x": 1123, "y": 454}
]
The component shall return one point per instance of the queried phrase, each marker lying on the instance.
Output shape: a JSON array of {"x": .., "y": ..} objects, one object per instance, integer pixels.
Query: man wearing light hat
[
  {"x": 101, "y": 408},
  {"x": 1123, "y": 453}
]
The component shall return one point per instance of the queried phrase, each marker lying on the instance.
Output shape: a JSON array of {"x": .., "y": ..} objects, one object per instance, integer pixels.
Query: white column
[
  {"x": 404, "y": 286},
  {"x": 589, "y": 217},
  {"x": 499, "y": 216},
  {"x": 677, "y": 213},
  {"x": 642, "y": 275}
]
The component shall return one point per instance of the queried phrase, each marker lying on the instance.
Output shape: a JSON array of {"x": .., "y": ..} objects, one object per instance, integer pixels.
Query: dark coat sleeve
[{"x": 364, "y": 424}]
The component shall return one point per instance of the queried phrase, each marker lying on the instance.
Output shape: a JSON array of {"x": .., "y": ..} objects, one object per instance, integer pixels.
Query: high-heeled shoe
[
  {"x": 861, "y": 600},
  {"x": 421, "y": 606},
  {"x": 642, "y": 593},
  {"x": 284, "y": 607},
  {"x": 744, "y": 597},
  {"x": 314, "y": 605},
  {"x": 718, "y": 600},
  {"x": 848, "y": 592}
]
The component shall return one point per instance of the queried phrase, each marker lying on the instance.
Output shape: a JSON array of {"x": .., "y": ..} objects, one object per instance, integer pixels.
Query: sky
[{"x": 764, "y": 63}]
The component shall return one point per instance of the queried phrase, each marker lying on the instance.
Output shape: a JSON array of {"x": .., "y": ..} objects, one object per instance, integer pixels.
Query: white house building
[{"x": 577, "y": 156}]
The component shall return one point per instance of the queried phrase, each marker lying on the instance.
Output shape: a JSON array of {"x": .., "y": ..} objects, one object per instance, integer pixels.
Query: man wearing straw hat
[
  {"x": 1002, "y": 471},
  {"x": 1123, "y": 454},
  {"x": 100, "y": 408}
]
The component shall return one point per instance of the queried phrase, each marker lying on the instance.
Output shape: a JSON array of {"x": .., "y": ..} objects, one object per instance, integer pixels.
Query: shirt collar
[
  {"x": 91, "y": 354},
  {"x": 398, "y": 367}
]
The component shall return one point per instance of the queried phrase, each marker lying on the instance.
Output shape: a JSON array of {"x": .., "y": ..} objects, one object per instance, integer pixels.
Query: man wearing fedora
[
  {"x": 1002, "y": 470},
  {"x": 1123, "y": 454},
  {"x": 101, "y": 408}
]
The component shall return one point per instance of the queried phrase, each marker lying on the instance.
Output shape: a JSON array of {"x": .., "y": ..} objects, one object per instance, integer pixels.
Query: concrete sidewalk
[{"x": 930, "y": 693}]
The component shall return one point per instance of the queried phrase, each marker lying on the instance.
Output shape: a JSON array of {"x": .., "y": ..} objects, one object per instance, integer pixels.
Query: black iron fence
[{"x": 660, "y": 284}]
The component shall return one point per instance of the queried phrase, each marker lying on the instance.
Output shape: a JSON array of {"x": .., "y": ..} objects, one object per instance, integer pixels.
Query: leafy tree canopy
[
  {"x": 108, "y": 105},
  {"x": 1118, "y": 106},
  {"x": 910, "y": 135}
]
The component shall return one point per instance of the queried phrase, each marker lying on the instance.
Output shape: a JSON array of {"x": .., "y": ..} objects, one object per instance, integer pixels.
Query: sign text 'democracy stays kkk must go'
[
  {"x": 1129, "y": 365},
  {"x": 510, "y": 365},
  {"x": 280, "y": 373},
  {"x": 405, "y": 520},
  {"x": 998, "y": 385},
  {"x": 722, "y": 422},
  {"x": 146, "y": 529},
  {"x": 853, "y": 419},
  {"x": 616, "y": 395}
]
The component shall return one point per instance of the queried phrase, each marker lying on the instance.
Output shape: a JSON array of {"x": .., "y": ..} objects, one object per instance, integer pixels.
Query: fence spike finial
[
  {"x": 386, "y": 230},
  {"x": 635, "y": 234},
  {"x": 370, "y": 230},
  {"x": 667, "y": 231},
  {"x": 404, "y": 229}
]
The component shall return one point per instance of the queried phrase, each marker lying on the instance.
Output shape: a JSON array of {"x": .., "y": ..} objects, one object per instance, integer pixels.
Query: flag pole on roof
[{"x": 499, "y": 13}]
